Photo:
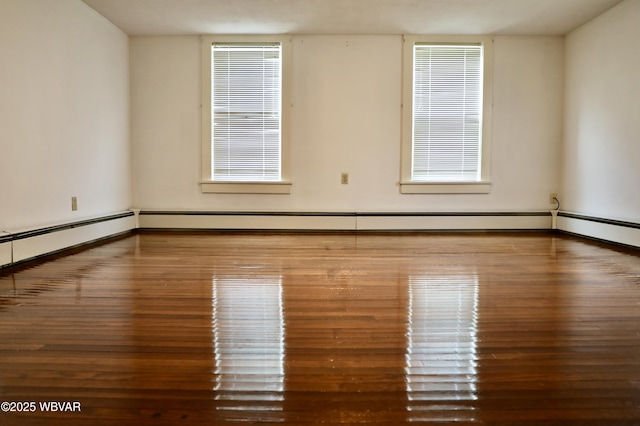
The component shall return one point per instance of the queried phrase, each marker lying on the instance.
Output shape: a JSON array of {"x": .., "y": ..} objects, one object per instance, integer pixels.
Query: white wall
[
  {"x": 64, "y": 114},
  {"x": 602, "y": 143},
  {"x": 346, "y": 118}
]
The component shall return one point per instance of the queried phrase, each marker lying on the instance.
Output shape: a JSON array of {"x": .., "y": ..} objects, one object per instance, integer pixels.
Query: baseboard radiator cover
[
  {"x": 25, "y": 245},
  {"x": 5, "y": 249},
  {"x": 609, "y": 230},
  {"x": 29, "y": 244},
  {"x": 343, "y": 221}
]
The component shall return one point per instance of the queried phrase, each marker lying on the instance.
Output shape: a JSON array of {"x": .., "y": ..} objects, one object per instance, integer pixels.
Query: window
[
  {"x": 245, "y": 120},
  {"x": 446, "y": 115}
]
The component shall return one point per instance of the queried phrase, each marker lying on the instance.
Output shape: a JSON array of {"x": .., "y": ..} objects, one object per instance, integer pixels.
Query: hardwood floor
[{"x": 171, "y": 329}]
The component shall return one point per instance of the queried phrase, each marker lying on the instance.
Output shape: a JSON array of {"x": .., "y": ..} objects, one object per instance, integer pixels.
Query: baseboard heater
[
  {"x": 344, "y": 221},
  {"x": 25, "y": 245},
  {"x": 29, "y": 244},
  {"x": 609, "y": 230}
]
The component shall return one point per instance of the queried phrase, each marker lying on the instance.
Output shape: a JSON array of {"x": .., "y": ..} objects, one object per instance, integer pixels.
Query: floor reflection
[
  {"x": 248, "y": 332},
  {"x": 441, "y": 358}
]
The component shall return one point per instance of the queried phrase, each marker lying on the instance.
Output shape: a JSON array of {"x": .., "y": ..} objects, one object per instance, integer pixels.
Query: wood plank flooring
[{"x": 195, "y": 329}]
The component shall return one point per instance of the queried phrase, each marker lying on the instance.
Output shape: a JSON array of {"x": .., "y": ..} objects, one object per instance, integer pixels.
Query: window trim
[
  {"x": 207, "y": 184},
  {"x": 408, "y": 186}
]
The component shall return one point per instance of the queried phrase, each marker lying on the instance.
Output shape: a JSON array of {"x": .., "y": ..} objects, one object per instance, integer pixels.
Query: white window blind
[
  {"x": 246, "y": 91},
  {"x": 447, "y": 112}
]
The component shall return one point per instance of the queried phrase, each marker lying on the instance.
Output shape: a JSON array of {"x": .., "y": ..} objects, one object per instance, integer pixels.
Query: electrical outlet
[
  {"x": 552, "y": 198},
  {"x": 74, "y": 203},
  {"x": 344, "y": 178}
]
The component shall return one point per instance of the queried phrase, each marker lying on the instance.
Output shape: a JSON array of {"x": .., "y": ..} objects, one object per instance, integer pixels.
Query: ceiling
[{"x": 514, "y": 17}]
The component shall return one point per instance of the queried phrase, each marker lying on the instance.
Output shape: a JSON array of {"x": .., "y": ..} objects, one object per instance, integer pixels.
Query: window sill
[
  {"x": 445, "y": 187},
  {"x": 246, "y": 187}
]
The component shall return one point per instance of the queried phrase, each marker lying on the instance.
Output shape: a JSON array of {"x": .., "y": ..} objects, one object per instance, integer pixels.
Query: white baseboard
[
  {"x": 26, "y": 245},
  {"x": 33, "y": 243},
  {"x": 457, "y": 222},
  {"x": 246, "y": 221},
  {"x": 5, "y": 249},
  {"x": 620, "y": 232},
  {"x": 343, "y": 221}
]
